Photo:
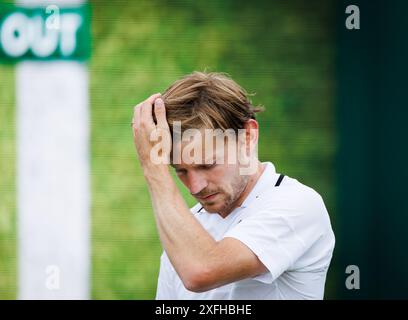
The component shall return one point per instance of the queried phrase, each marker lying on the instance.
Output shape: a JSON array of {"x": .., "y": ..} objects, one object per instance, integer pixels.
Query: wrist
[{"x": 156, "y": 173}]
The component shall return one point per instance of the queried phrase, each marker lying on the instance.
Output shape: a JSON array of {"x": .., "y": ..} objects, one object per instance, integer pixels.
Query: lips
[{"x": 209, "y": 196}]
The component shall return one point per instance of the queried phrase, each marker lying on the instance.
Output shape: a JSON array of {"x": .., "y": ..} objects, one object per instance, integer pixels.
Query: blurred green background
[{"x": 283, "y": 51}]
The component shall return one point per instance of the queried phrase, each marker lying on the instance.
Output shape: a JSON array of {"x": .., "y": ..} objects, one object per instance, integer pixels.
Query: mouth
[{"x": 209, "y": 197}]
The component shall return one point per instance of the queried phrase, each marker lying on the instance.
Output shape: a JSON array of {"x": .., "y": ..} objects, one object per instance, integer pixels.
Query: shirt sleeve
[
  {"x": 165, "y": 287},
  {"x": 279, "y": 234}
]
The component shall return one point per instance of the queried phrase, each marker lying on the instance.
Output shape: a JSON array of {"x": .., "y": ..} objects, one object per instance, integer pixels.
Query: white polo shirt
[{"x": 286, "y": 226}]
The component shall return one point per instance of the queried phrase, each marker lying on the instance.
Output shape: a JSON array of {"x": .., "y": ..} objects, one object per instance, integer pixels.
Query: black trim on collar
[
  {"x": 200, "y": 209},
  {"x": 279, "y": 180}
]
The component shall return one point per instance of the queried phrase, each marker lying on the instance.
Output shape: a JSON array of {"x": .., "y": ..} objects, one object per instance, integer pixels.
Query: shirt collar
[{"x": 265, "y": 181}]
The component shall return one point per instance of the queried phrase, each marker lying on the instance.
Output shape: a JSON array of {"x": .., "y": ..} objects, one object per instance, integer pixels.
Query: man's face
[{"x": 214, "y": 179}]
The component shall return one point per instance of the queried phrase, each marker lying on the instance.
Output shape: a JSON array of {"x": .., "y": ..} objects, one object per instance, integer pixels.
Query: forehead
[{"x": 202, "y": 146}]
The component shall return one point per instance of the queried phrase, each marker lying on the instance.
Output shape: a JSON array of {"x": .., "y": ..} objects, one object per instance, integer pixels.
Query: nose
[{"x": 196, "y": 182}]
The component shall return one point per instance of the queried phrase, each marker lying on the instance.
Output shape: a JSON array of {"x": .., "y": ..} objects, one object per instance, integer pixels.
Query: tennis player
[{"x": 254, "y": 233}]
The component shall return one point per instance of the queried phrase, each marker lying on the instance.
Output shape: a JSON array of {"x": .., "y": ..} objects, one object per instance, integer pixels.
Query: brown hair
[{"x": 210, "y": 100}]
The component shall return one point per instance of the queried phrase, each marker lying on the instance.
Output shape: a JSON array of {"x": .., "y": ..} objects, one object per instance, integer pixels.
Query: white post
[{"x": 53, "y": 177}]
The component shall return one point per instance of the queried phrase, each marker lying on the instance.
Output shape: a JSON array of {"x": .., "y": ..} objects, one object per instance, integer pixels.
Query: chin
[
  {"x": 215, "y": 207},
  {"x": 210, "y": 208}
]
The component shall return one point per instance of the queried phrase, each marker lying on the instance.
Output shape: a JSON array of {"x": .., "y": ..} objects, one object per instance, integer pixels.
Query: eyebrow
[{"x": 214, "y": 159}]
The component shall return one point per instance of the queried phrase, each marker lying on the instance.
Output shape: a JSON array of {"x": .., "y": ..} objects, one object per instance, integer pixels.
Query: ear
[{"x": 251, "y": 135}]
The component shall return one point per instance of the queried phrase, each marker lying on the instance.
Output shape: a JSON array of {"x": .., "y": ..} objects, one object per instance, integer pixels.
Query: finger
[
  {"x": 160, "y": 113},
  {"x": 136, "y": 115},
  {"x": 152, "y": 98},
  {"x": 146, "y": 114},
  {"x": 149, "y": 100}
]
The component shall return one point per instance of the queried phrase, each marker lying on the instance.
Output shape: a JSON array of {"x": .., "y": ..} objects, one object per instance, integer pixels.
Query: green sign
[{"x": 49, "y": 32}]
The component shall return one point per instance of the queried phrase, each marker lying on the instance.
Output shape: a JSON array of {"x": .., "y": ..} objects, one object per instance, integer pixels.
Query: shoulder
[
  {"x": 294, "y": 201},
  {"x": 292, "y": 194}
]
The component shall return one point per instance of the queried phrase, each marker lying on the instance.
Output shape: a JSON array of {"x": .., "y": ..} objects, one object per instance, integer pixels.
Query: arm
[
  {"x": 165, "y": 282},
  {"x": 201, "y": 262}
]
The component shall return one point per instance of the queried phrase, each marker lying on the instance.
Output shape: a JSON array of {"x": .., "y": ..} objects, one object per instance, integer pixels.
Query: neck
[{"x": 253, "y": 179}]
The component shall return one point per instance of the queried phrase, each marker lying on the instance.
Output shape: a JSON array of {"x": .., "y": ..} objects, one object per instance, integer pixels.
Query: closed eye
[
  {"x": 180, "y": 171},
  {"x": 207, "y": 166}
]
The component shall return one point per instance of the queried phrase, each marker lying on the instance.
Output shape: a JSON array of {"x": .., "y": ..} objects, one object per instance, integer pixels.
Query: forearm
[
  {"x": 201, "y": 262},
  {"x": 188, "y": 245}
]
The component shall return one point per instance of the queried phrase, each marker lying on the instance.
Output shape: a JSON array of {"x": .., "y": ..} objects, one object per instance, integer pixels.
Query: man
[{"x": 254, "y": 233}]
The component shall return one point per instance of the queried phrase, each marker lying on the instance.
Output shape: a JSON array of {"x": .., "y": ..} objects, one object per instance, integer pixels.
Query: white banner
[{"x": 53, "y": 178}]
